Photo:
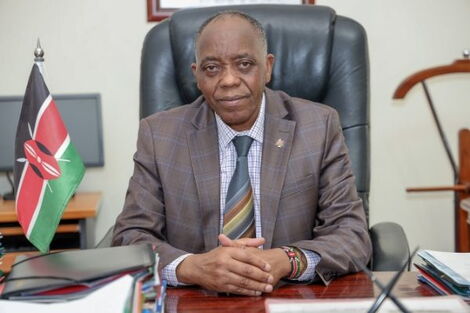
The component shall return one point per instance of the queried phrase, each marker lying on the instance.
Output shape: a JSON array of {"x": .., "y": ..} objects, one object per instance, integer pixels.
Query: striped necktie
[{"x": 239, "y": 219}]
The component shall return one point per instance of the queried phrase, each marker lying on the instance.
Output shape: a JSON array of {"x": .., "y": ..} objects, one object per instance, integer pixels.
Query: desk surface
[
  {"x": 82, "y": 205},
  {"x": 358, "y": 285}
]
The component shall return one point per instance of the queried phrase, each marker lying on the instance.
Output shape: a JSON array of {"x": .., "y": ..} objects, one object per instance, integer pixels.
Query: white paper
[
  {"x": 108, "y": 299},
  {"x": 458, "y": 262},
  {"x": 447, "y": 304}
]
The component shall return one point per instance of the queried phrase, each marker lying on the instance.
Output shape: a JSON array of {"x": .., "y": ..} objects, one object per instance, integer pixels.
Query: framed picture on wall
[{"x": 158, "y": 10}]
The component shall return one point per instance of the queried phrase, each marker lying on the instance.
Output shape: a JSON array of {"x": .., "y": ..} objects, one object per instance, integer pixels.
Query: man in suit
[{"x": 245, "y": 186}]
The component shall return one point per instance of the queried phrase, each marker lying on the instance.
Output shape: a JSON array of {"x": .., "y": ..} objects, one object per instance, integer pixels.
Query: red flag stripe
[
  {"x": 37, "y": 210},
  {"x": 50, "y": 129},
  {"x": 34, "y": 186}
]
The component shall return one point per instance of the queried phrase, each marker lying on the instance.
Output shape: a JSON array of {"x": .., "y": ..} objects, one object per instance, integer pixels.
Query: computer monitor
[{"x": 81, "y": 114}]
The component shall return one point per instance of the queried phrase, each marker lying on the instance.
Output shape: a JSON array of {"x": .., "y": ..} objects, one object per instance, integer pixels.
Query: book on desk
[{"x": 79, "y": 274}]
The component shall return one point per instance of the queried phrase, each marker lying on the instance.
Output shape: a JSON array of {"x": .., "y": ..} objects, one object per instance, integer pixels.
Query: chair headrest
[{"x": 300, "y": 37}]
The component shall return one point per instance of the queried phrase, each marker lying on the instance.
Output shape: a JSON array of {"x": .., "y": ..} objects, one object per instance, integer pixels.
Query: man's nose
[{"x": 229, "y": 78}]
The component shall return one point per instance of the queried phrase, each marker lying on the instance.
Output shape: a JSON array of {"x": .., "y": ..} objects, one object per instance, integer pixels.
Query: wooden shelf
[
  {"x": 75, "y": 223},
  {"x": 83, "y": 205},
  {"x": 17, "y": 230}
]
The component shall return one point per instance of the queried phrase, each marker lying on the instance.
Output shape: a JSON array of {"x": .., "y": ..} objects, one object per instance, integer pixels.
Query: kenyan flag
[{"x": 48, "y": 168}]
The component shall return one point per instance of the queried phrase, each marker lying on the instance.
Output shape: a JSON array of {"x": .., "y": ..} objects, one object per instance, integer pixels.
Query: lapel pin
[{"x": 280, "y": 143}]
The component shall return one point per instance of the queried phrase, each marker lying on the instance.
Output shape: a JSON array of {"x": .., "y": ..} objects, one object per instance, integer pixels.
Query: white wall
[{"x": 94, "y": 46}]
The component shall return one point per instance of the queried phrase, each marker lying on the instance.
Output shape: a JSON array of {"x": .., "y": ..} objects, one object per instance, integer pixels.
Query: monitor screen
[{"x": 81, "y": 114}]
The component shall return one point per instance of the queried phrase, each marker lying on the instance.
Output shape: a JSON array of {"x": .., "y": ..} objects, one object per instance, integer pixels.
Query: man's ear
[
  {"x": 269, "y": 67},
  {"x": 194, "y": 69}
]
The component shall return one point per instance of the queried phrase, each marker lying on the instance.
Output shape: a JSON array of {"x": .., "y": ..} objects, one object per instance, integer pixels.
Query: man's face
[{"x": 232, "y": 69}]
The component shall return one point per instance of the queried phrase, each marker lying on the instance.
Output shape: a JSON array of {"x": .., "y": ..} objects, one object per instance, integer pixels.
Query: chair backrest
[{"x": 320, "y": 56}]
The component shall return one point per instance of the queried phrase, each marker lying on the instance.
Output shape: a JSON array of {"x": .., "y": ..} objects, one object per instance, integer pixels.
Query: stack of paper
[
  {"x": 445, "y": 272},
  {"x": 74, "y": 274},
  {"x": 112, "y": 298}
]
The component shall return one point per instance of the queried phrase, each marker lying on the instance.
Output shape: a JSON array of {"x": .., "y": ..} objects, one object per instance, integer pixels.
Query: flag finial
[
  {"x": 466, "y": 53},
  {"x": 38, "y": 53}
]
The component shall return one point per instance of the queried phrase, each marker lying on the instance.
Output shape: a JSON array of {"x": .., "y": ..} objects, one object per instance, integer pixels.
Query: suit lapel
[
  {"x": 204, "y": 152},
  {"x": 277, "y": 145}
]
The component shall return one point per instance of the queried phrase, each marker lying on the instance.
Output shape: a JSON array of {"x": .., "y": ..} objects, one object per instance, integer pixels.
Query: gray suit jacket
[{"x": 308, "y": 197}]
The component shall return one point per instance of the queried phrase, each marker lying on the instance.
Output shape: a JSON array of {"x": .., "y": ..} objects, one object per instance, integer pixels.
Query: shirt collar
[{"x": 226, "y": 133}]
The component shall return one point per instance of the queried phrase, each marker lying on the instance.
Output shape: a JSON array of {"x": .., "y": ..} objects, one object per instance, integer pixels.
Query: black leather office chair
[{"x": 320, "y": 56}]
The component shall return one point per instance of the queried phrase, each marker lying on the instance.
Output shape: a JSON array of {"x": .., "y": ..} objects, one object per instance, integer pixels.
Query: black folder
[{"x": 74, "y": 267}]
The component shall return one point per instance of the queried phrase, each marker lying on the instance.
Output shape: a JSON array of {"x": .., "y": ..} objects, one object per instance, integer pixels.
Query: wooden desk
[
  {"x": 81, "y": 207},
  {"x": 192, "y": 299},
  {"x": 9, "y": 259}
]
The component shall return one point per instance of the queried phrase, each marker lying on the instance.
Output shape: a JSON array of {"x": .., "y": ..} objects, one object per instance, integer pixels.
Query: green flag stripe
[{"x": 56, "y": 198}]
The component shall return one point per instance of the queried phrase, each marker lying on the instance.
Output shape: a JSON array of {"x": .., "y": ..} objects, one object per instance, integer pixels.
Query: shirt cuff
[
  {"x": 312, "y": 261},
  {"x": 169, "y": 271}
]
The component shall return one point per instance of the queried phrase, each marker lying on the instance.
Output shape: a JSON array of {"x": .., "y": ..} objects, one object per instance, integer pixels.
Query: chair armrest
[
  {"x": 390, "y": 248},
  {"x": 105, "y": 242}
]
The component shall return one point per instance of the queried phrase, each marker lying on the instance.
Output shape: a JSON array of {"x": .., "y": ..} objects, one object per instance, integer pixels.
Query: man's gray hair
[{"x": 254, "y": 22}]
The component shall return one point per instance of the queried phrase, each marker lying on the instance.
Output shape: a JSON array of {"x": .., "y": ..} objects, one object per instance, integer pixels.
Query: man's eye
[
  {"x": 211, "y": 68},
  {"x": 245, "y": 65}
]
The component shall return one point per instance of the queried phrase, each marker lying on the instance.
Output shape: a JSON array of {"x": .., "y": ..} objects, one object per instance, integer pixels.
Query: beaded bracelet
[{"x": 297, "y": 261}]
